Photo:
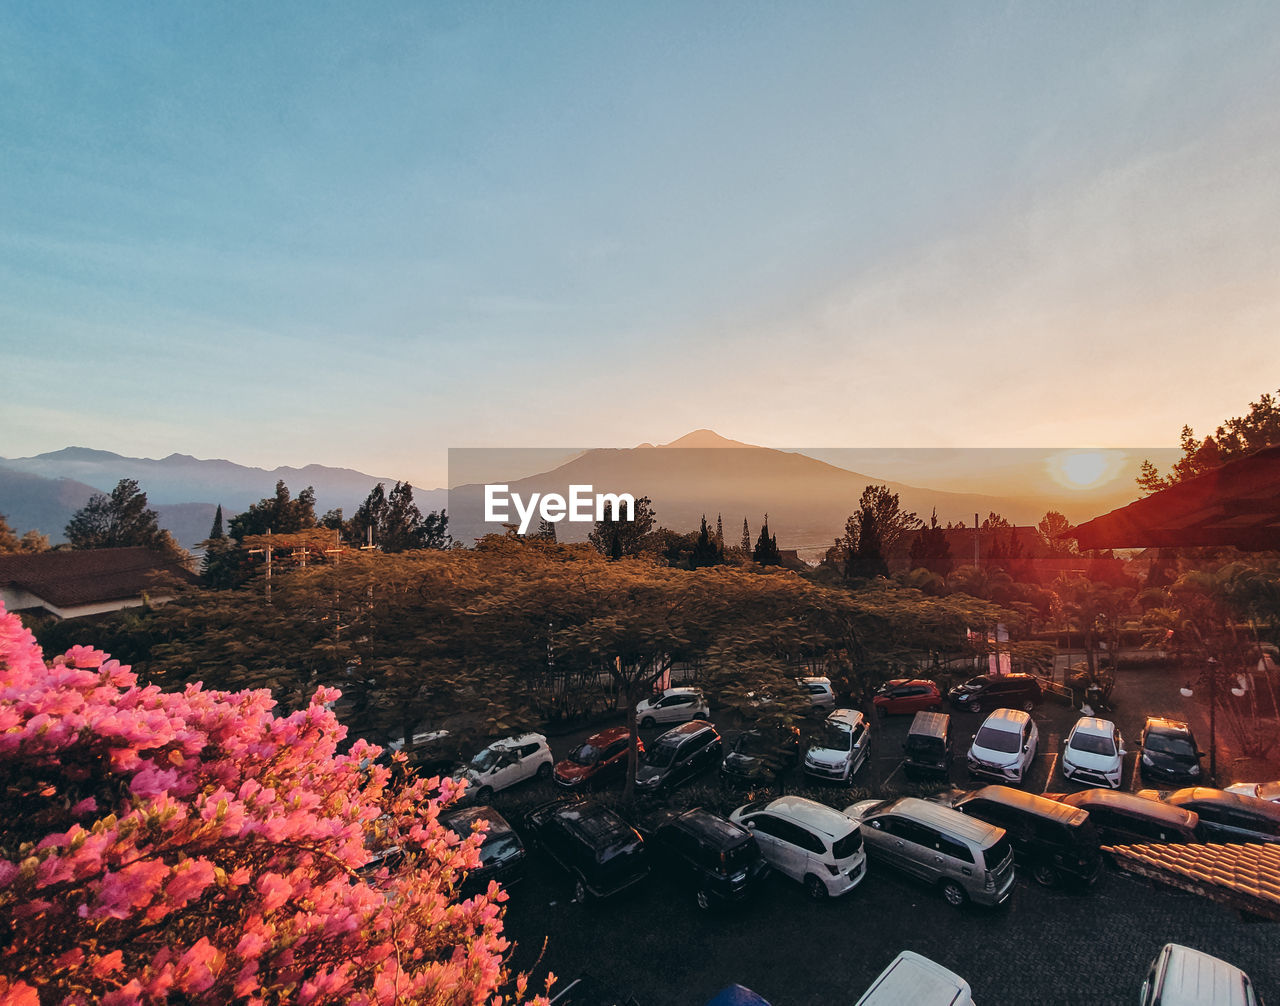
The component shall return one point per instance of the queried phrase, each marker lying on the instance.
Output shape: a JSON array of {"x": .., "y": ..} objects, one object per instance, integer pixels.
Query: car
[
  {"x": 1259, "y": 790},
  {"x": 842, "y": 749},
  {"x": 997, "y": 691},
  {"x": 432, "y": 752},
  {"x": 502, "y": 854},
  {"x": 505, "y": 763},
  {"x": 677, "y": 756},
  {"x": 1169, "y": 753},
  {"x": 907, "y": 695},
  {"x": 928, "y": 749},
  {"x": 913, "y": 979},
  {"x": 718, "y": 860},
  {"x": 1004, "y": 746},
  {"x": 822, "y": 696},
  {"x": 1093, "y": 753},
  {"x": 672, "y": 705},
  {"x": 597, "y": 761},
  {"x": 1128, "y": 819},
  {"x": 757, "y": 757},
  {"x": 808, "y": 842},
  {"x": 1181, "y": 976},
  {"x": 965, "y": 858},
  {"x": 1225, "y": 817},
  {"x": 736, "y": 995},
  {"x": 1055, "y": 842},
  {"x": 601, "y": 852}
]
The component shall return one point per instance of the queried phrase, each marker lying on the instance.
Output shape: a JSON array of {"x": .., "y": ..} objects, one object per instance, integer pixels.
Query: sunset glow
[{"x": 1080, "y": 470}]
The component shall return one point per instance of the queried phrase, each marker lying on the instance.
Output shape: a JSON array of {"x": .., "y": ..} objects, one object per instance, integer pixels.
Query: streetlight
[{"x": 1187, "y": 691}]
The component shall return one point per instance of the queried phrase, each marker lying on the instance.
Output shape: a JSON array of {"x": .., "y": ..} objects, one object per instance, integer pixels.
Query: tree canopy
[
  {"x": 1241, "y": 435},
  {"x": 120, "y": 520}
]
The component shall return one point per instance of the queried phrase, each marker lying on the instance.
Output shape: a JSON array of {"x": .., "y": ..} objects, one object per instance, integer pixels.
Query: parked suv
[
  {"x": 903, "y": 695},
  {"x": 1226, "y": 817},
  {"x": 1004, "y": 747},
  {"x": 677, "y": 756},
  {"x": 808, "y": 842},
  {"x": 927, "y": 751},
  {"x": 507, "y": 762},
  {"x": 1169, "y": 753},
  {"x": 1128, "y": 819},
  {"x": 1093, "y": 753},
  {"x": 502, "y": 853},
  {"x": 718, "y": 859},
  {"x": 842, "y": 749},
  {"x": 599, "y": 760},
  {"x": 965, "y": 858},
  {"x": 822, "y": 696},
  {"x": 601, "y": 852},
  {"x": 759, "y": 756},
  {"x": 996, "y": 691},
  {"x": 911, "y": 978},
  {"x": 1182, "y": 975},
  {"x": 672, "y": 705},
  {"x": 1055, "y": 842}
]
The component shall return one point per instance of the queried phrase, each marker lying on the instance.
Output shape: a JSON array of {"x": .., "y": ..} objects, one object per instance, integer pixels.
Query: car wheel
[
  {"x": 975, "y": 707},
  {"x": 544, "y": 770},
  {"x": 704, "y": 900},
  {"x": 579, "y": 891},
  {"x": 484, "y": 794},
  {"x": 953, "y": 893},
  {"x": 816, "y": 889},
  {"x": 1028, "y": 706},
  {"x": 1044, "y": 874},
  {"x": 647, "y": 722},
  {"x": 699, "y": 716}
]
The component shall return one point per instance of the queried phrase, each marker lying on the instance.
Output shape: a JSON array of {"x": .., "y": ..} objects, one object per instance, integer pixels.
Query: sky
[{"x": 361, "y": 234}]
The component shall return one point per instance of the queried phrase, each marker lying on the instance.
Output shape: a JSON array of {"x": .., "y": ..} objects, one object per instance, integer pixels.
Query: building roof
[
  {"x": 1237, "y": 504},
  {"x": 70, "y": 577},
  {"x": 1246, "y": 877}
]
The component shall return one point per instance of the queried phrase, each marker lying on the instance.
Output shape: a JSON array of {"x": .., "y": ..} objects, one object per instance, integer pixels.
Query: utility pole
[{"x": 267, "y": 551}]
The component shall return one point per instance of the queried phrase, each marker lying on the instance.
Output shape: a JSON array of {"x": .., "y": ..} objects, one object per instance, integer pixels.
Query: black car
[
  {"x": 1169, "y": 753},
  {"x": 1227, "y": 817},
  {"x": 997, "y": 691},
  {"x": 677, "y": 756},
  {"x": 1128, "y": 819},
  {"x": 927, "y": 750},
  {"x": 1052, "y": 840},
  {"x": 601, "y": 852},
  {"x": 758, "y": 757},
  {"x": 717, "y": 859},
  {"x": 502, "y": 853}
]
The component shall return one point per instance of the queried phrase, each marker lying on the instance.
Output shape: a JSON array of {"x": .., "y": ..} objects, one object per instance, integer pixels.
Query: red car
[
  {"x": 597, "y": 761},
  {"x": 907, "y": 696}
]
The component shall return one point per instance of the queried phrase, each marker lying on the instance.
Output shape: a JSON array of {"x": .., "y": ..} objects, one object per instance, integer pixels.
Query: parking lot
[{"x": 1044, "y": 946}]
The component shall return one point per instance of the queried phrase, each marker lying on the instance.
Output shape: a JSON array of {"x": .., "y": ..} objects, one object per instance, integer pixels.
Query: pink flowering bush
[{"x": 194, "y": 847}]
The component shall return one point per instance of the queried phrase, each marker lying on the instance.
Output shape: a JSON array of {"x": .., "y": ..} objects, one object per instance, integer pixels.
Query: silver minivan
[
  {"x": 911, "y": 978},
  {"x": 966, "y": 859},
  {"x": 1180, "y": 976}
]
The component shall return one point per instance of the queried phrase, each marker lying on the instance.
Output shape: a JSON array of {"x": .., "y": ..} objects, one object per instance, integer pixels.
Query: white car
[
  {"x": 1004, "y": 746},
  {"x": 1259, "y": 790},
  {"x": 1093, "y": 753},
  {"x": 673, "y": 705},
  {"x": 507, "y": 762},
  {"x": 807, "y": 841},
  {"x": 843, "y": 748},
  {"x": 822, "y": 696}
]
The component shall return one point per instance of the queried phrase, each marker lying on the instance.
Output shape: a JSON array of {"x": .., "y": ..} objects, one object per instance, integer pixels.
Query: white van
[
  {"x": 1180, "y": 976},
  {"x": 911, "y": 978}
]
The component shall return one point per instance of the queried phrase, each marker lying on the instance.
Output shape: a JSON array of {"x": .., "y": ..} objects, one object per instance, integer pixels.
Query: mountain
[{"x": 43, "y": 492}]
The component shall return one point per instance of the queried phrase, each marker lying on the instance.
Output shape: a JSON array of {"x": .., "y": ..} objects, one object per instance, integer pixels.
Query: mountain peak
[{"x": 705, "y": 438}]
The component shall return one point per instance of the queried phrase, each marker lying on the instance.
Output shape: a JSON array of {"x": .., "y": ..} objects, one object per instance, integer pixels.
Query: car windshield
[
  {"x": 499, "y": 845},
  {"x": 486, "y": 759},
  {"x": 837, "y": 737},
  {"x": 750, "y": 744},
  {"x": 919, "y": 745},
  {"x": 975, "y": 684},
  {"x": 1094, "y": 744},
  {"x": 994, "y": 739},
  {"x": 661, "y": 754},
  {"x": 847, "y": 846},
  {"x": 585, "y": 755},
  {"x": 1170, "y": 745}
]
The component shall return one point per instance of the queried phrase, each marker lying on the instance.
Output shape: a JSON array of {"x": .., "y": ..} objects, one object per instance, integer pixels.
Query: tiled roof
[
  {"x": 71, "y": 577},
  {"x": 1243, "y": 876}
]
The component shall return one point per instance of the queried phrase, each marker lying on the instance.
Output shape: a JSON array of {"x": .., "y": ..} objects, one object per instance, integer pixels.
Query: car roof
[
  {"x": 999, "y": 717},
  {"x": 815, "y": 679},
  {"x": 850, "y": 716},
  {"x": 1093, "y": 725},
  {"x": 701, "y": 821},
  {"x": 681, "y": 690},
  {"x": 677, "y": 734},
  {"x": 608, "y": 736},
  {"x": 817, "y": 816},
  {"x": 1162, "y": 725},
  {"x": 460, "y": 821},
  {"x": 911, "y": 978},
  {"x": 1206, "y": 794},
  {"x": 518, "y": 740},
  {"x": 944, "y": 819},
  {"x": 1028, "y": 802},
  {"x": 1190, "y": 977},
  {"x": 1089, "y": 798},
  {"x": 929, "y": 724}
]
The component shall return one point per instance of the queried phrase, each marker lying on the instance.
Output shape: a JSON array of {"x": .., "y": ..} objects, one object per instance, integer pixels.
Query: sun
[{"x": 1080, "y": 470}]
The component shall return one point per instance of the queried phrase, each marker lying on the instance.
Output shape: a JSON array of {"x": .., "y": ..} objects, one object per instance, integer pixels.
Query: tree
[
  {"x": 547, "y": 530},
  {"x": 706, "y": 551},
  {"x": 615, "y": 537},
  {"x": 402, "y": 521},
  {"x": 1258, "y": 428},
  {"x": 930, "y": 550},
  {"x": 1057, "y": 533},
  {"x": 891, "y": 528},
  {"x": 720, "y": 533},
  {"x": 195, "y": 847},
  {"x": 766, "y": 550},
  {"x": 867, "y": 558},
  {"x": 8, "y": 540},
  {"x": 120, "y": 520},
  {"x": 746, "y": 538},
  {"x": 279, "y": 514},
  {"x": 215, "y": 532}
]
